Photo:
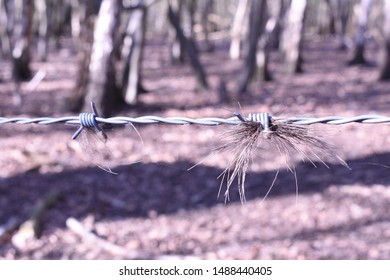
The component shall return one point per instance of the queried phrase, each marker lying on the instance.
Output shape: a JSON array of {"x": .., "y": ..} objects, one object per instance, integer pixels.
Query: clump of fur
[{"x": 288, "y": 139}]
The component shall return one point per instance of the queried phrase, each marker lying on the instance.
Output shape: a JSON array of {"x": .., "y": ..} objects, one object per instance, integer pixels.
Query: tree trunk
[
  {"x": 263, "y": 47},
  {"x": 175, "y": 45},
  {"x": 41, "y": 12},
  {"x": 22, "y": 34},
  {"x": 237, "y": 29},
  {"x": 332, "y": 18},
  {"x": 57, "y": 18},
  {"x": 206, "y": 10},
  {"x": 87, "y": 20},
  {"x": 132, "y": 53},
  {"x": 384, "y": 71},
  {"x": 189, "y": 18},
  {"x": 21, "y": 71},
  {"x": 189, "y": 47},
  {"x": 342, "y": 17},
  {"x": 275, "y": 33},
  {"x": 160, "y": 23},
  {"x": 358, "y": 57},
  {"x": 293, "y": 36},
  {"x": 256, "y": 59},
  {"x": 4, "y": 36},
  {"x": 77, "y": 17},
  {"x": 101, "y": 84}
]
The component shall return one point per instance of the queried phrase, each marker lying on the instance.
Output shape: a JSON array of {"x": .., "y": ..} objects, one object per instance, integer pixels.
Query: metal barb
[
  {"x": 88, "y": 120},
  {"x": 240, "y": 117},
  {"x": 262, "y": 118}
]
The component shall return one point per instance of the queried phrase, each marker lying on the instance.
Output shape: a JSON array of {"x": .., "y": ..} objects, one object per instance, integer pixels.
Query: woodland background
[{"x": 192, "y": 58}]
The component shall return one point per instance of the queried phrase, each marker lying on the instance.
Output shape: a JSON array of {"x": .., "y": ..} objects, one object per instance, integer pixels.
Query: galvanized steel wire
[
  {"x": 87, "y": 120},
  {"x": 210, "y": 121}
]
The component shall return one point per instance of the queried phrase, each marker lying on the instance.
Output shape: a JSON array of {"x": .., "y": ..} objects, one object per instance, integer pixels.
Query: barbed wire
[
  {"x": 92, "y": 120},
  {"x": 286, "y": 134},
  {"x": 75, "y": 120},
  {"x": 209, "y": 121}
]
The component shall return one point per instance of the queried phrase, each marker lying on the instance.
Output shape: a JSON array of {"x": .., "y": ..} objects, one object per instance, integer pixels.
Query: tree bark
[
  {"x": 293, "y": 36},
  {"x": 237, "y": 28},
  {"x": 88, "y": 11},
  {"x": 206, "y": 10},
  {"x": 189, "y": 18},
  {"x": 132, "y": 53},
  {"x": 332, "y": 18},
  {"x": 384, "y": 70},
  {"x": 77, "y": 17},
  {"x": 101, "y": 83},
  {"x": 189, "y": 47},
  {"x": 57, "y": 18},
  {"x": 263, "y": 45},
  {"x": 358, "y": 57},
  {"x": 175, "y": 45},
  {"x": 22, "y": 34},
  {"x": 275, "y": 33},
  {"x": 41, "y": 12},
  {"x": 256, "y": 59},
  {"x": 342, "y": 17},
  {"x": 4, "y": 36}
]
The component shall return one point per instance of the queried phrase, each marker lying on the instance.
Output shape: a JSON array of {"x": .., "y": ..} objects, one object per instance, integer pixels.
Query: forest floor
[{"x": 56, "y": 204}]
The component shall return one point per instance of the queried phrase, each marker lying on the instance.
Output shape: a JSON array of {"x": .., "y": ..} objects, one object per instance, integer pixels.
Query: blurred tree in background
[{"x": 109, "y": 38}]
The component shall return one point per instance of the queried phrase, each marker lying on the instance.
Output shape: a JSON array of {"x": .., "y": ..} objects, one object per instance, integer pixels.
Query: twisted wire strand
[
  {"x": 337, "y": 120},
  {"x": 88, "y": 120},
  {"x": 212, "y": 121}
]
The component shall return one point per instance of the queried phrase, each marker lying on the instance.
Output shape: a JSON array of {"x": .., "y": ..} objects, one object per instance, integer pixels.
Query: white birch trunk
[
  {"x": 293, "y": 36},
  {"x": 101, "y": 84},
  {"x": 358, "y": 57},
  {"x": 237, "y": 29}
]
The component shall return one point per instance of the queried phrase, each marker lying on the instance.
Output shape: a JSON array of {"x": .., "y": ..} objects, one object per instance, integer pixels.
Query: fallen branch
[
  {"x": 78, "y": 228},
  {"x": 32, "y": 228},
  {"x": 11, "y": 225},
  {"x": 38, "y": 78}
]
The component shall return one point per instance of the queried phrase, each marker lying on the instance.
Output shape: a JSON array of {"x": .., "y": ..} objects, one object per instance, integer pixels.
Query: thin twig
[
  {"x": 32, "y": 228},
  {"x": 105, "y": 245}
]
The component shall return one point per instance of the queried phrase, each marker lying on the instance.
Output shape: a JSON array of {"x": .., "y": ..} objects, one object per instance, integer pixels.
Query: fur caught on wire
[{"x": 286, "y": 137}]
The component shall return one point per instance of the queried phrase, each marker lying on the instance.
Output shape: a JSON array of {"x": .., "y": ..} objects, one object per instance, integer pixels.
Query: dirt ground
[{"x": 56, "y": 204}]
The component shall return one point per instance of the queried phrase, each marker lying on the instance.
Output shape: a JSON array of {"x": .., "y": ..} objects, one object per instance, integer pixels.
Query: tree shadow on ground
[{"x": 144, "y": 188}]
